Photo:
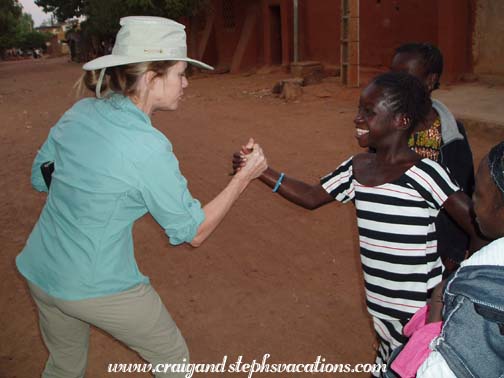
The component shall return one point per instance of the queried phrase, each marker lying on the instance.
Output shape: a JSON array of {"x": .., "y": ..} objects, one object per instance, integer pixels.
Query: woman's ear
[{"x": 148, "y": 78}]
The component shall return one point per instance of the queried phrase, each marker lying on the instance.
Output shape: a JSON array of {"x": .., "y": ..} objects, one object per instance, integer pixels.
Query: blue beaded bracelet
[{"x": 279, "y": 182}]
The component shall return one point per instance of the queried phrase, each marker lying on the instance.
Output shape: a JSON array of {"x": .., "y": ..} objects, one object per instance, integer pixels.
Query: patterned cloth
[
  {"x": 389, "y": 334},
  {"x": 427, "y": 143}
]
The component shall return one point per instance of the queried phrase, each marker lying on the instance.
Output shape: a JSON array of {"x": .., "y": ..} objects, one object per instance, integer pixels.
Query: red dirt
[{"x": 273, "y": 278}]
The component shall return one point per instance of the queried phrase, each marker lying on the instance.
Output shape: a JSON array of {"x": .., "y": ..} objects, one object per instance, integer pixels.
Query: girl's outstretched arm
[
  {"x": 308, "y": 196},
  {"x": 459, "y": 207},
  {"x": 305, "y": 195}
]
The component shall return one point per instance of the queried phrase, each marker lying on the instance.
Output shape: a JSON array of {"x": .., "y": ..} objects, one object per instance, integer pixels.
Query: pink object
[{"x": 416, "y": 350}]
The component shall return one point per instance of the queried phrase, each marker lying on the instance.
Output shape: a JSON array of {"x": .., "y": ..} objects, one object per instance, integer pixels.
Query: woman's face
[
  {"x": 373, "y": 119},
  {"x": 167, "y": 90},
  {"x": 488, "y": 203}
]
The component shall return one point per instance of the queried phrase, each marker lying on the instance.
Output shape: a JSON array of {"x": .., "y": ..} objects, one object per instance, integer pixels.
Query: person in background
[
  {"x": 471, "y": 343},
  {"x": 111, "y": 167},
  {"x": 442, "y": 138}
]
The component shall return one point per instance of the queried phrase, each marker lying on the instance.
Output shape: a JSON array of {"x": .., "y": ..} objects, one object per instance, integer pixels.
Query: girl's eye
[{"x": 367, "y": 112}]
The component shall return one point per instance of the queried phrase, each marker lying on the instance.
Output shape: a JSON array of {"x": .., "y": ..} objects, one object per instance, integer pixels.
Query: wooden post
[{"x": 349, "y": 43}]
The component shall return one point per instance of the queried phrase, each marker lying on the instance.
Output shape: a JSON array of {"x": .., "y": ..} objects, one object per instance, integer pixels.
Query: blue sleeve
[
  {"x": 46, "y": 153},
  {"x": 168, "y": 199}
]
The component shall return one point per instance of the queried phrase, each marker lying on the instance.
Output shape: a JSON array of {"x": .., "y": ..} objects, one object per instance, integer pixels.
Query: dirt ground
[{"x": 273, "y": 279}]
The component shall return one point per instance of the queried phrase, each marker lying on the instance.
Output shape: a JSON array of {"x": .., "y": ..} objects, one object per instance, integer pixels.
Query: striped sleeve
[
  {"x": 434, "y": 183},
  {"x": 340, "y": 184}
]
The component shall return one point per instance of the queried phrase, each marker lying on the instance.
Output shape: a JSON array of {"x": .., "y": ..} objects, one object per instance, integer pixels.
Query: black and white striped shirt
[{"x": 397, "y": 234}]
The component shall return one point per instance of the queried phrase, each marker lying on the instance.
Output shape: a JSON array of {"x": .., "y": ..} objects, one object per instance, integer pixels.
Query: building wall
[
  {"x": 384, "y": 25},
  {"x": 488, "y": 44},
  {"x": 319, "y": 30},
  {"x": 455, "y": 30},
  {"x": 225, "y": 40}
]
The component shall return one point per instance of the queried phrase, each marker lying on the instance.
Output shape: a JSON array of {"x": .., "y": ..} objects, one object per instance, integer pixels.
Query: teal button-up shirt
[{"x": 111, "y": 167}]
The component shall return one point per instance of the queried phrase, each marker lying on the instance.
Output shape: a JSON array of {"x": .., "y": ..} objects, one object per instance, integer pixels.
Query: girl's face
[
  {"x": 167, "y": 90},
  {"x": 488, "y": 203},
  {"x": 373, "y": 119}
]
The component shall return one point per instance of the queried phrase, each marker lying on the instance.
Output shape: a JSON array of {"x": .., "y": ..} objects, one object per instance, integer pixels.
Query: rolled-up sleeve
[{"x": 168, "y": 199}]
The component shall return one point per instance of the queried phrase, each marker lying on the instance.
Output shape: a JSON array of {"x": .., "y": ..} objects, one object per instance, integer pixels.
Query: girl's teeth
[{"x": 362, "y": 132}]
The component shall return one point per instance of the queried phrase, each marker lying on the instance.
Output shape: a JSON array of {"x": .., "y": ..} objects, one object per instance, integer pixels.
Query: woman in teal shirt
[{"x": 111, "y": 168}]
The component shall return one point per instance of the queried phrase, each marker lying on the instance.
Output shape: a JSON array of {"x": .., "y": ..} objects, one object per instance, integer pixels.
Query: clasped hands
[{"x": 250, "y": 161}]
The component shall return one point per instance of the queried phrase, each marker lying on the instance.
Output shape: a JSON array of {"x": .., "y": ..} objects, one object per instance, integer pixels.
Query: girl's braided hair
[
  {"x": 405, "y": 94},
  {"x": 496, "y": 165}
]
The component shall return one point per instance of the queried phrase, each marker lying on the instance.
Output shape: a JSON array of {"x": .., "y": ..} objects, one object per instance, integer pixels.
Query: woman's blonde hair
[{"x": 121, "y": 79}]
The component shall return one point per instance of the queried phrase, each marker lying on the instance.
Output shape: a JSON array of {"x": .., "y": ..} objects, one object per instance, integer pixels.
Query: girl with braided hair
[
  {"x": 397, "y": 196},
  {"x": 442, "y": 138}
]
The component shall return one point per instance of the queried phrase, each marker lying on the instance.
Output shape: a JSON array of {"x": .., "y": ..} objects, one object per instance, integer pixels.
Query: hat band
[{"x": 150, "y": 52}]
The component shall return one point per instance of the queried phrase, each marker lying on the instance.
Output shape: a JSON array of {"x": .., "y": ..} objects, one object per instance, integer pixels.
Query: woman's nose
[{"x": 185, "y": 83}]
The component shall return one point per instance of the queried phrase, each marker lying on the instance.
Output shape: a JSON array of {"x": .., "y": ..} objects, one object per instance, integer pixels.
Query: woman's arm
[
  {"x": 459, "y": 207},
  {"x": 217, "y": 208}
]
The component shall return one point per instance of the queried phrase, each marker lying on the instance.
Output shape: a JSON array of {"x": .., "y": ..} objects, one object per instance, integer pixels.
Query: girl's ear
[{"x": 402, "y": 122}]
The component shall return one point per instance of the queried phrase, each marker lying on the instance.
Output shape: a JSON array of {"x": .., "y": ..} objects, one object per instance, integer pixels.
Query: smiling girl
[{"x": 397, "y": 196}]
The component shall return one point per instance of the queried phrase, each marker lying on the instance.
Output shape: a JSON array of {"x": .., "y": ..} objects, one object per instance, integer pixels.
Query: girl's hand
[
  {"x": 239, "y": 158},
  {"x": 254, "y": 163}
]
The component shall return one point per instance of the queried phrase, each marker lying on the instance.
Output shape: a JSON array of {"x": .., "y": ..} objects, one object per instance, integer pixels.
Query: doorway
[{"x": 275, "y": 34}]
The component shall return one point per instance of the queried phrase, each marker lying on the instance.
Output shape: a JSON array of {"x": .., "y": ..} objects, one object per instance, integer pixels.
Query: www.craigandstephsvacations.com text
[{"x": 320, "y": 365}]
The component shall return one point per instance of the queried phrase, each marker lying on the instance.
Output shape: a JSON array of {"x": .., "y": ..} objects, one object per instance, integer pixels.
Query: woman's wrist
[{"x": 240, "y": 180}]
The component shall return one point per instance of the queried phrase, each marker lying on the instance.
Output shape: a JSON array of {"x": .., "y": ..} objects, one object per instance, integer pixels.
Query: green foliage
[
  {"x": 64, "y": 9},
  {"x": 102, "y": 16},
  {"x": 33, "y": 40},
  {"x": 10, "y": 13},
  {"x": 16, "y": 28},
  {"x": 25, "y": 24}
]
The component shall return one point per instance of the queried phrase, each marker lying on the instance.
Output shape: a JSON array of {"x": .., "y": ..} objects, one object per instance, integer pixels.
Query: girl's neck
[
  {"x": 429, "y": 120},
  {"x": 396, "y": 153}
]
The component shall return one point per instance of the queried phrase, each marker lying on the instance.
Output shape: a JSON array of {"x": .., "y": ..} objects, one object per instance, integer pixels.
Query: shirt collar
[{"x": 121, "y": 102}]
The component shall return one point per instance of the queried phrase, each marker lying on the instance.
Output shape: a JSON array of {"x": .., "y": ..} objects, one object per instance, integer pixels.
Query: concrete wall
[{"x": 488, "y": 41}]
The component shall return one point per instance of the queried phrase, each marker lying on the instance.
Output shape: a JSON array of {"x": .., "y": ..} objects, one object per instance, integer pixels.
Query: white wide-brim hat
[{"x": 146, "y": 39}]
